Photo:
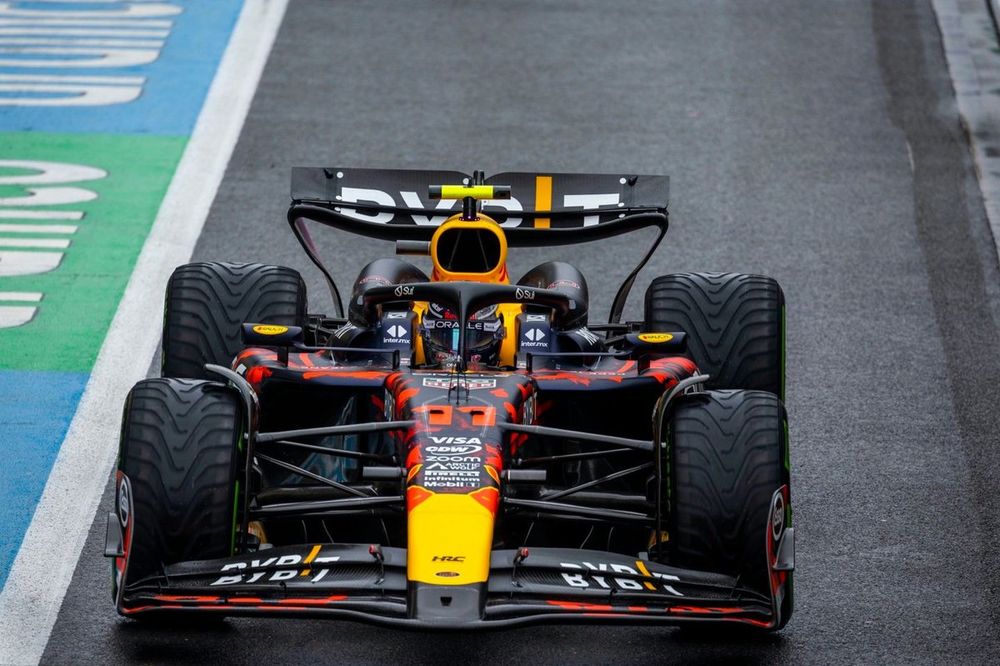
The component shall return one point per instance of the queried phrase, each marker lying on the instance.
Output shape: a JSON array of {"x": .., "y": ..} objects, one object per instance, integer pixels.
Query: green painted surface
[{"x": 81, "y": 295}]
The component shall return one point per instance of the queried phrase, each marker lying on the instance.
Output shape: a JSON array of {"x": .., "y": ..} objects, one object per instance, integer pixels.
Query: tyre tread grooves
[
  {"x": 726, "y": 461},
  {"x": 733, "y": 321},
  {"x": 207, "y": 302},
  {"x": 178, "y": 450}
]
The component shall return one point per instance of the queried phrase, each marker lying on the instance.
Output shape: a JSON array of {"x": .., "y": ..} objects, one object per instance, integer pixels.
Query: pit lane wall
[{"x": 97, "y": 101}]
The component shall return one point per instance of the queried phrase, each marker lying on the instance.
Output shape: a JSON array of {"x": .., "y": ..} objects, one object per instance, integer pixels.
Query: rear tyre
[
  {"x": 727, "y": 457},
  {"x": 207, "y": 302},
  {"x": 735, "y": 325},
  {"x": 179, "y": 451}
]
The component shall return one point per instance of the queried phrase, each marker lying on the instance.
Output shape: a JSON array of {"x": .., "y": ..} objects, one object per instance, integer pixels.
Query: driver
[{"x": 483, "y": 337}]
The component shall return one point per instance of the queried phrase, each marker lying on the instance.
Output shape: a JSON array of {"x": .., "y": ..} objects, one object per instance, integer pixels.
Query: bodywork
[{"x": 481, "y": 492}]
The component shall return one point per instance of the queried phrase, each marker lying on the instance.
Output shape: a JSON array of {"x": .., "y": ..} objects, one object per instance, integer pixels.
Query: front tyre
[
  {"x": 728, "y": 455},
  {"x": 178, "y": 450}
]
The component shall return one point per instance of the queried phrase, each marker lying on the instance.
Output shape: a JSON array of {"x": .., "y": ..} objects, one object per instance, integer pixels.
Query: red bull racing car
[{"x": 459, "y": 450}]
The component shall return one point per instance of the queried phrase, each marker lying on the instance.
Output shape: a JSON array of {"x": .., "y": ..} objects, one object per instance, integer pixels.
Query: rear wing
[{"x": 543, "y": 209}]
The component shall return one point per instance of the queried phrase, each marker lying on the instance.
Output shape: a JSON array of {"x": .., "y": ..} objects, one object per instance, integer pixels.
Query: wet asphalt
[{"x": 815, "y": 142}]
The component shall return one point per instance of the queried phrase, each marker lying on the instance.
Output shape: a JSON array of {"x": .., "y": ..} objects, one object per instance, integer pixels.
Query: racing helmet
[{"x": 483, "y": 337}]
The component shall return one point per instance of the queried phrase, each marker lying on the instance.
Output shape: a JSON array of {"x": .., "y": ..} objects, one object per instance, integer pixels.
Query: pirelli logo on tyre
[{"x": 656, "y": 338}]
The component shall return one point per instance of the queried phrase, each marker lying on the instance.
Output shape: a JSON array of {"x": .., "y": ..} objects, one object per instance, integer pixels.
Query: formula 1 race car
[{"x": 459, "y": 451}]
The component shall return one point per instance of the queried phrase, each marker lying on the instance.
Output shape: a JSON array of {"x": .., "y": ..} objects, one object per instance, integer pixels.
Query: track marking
[
  {"x": 39, "y": 228},
  {"x": 40, "y": 215},
  {"x": 43, "y": 569},
  {"x": 34, "y": 297}
]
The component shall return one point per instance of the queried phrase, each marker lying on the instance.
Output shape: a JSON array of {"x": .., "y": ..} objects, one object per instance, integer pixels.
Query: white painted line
[
  {"x": 80, "y": 41},
  {"x": 38, "y": 228},
  {"x": 12, "y": 316},
  {"x": 84, "y": 32},
  {"x": 30, "y": 601},
  {"x": 135, "y": 11},
  {"x": 30, "y": 296},
  {"x": 101, "y": 57},
  {"x": 90, "y": 96},
  {"x": 21, "y": 262},
  {"x": 57, "y": 243},
  {"x": 72, "y": 78},
  {"x": 69, "y": 50},
  {"x": 40, "y": 214},
  {"x": 89, "y": 23}
]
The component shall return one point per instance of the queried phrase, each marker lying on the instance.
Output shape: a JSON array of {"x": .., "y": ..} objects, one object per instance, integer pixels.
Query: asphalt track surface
[{"x": 815, "y": 142}]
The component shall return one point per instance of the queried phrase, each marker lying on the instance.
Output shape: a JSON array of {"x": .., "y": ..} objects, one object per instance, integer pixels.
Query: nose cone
[
  {"x": 454, "y": 462},
  {"x": 453, "y": 490},
  {"x": 450, "y": 536}
]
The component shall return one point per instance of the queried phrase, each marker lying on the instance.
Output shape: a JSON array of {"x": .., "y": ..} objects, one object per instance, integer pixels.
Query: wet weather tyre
[
  {"x": 734, "y": 322},
  {"x": 206, "y": 303},
  {"x": 179, "y": 451},
  {"x": 727, "y": 457}
]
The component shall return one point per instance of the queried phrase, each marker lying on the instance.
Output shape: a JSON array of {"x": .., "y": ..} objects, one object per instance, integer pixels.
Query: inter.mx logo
[
  {"x": 396, "y": 331},
  {"x": 534, "y": 334}
]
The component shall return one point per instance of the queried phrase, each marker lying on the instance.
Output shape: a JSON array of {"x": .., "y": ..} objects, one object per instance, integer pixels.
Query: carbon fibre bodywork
[
  {"x": 376, "y": 483},
  {"x": 376, "y": 583}
]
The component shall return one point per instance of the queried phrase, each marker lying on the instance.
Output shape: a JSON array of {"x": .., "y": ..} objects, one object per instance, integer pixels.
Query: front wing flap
[{"x": 369, "y": 583}]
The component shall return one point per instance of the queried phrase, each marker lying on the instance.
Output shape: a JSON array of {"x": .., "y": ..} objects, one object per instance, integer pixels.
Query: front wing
[{"x": 369, "y": 583}]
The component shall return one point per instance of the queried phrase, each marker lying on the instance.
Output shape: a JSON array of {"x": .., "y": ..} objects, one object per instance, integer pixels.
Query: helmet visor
[{"x": 483, "y": 335}]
